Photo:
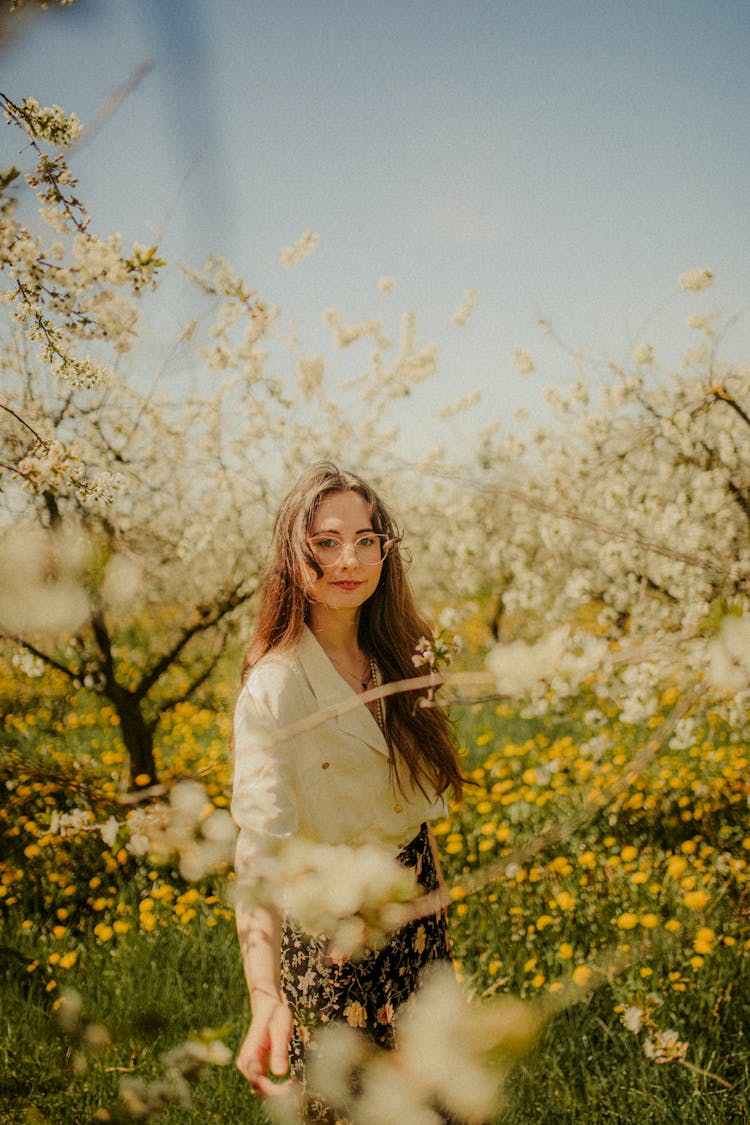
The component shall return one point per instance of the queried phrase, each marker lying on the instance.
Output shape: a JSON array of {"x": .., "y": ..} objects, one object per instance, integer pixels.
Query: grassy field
[{"x": 642, "y": 903}]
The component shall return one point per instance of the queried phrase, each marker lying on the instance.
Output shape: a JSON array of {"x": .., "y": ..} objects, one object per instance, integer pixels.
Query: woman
[{"x": 336, "y": 616}]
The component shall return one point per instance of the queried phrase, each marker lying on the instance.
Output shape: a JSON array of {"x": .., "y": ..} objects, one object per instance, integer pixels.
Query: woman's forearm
[{"x": 259, "y": 931}]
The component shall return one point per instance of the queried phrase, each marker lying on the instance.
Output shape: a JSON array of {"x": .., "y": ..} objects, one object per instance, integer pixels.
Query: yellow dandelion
[
  {"x": 676, "y": 866},
  {"x": 704, "y": 940},
  {"x": 68, "y": 960},
  {"x": 627, "y": 921},
  {"x": 565, "y": 951},
  {"x": 696, "y": 900},
  {"x": 582, "y": 976}
]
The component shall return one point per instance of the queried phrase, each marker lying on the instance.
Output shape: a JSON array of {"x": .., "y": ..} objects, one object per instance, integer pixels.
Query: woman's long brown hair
[{"x": 389, "y": 624}]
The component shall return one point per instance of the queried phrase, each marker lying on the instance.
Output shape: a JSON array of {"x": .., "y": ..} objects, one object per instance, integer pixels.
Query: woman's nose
[{"x": 348, "y": 551}]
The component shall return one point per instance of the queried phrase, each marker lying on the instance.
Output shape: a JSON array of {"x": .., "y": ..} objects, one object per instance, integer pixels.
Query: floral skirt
[{"x": 366, "y": 994}]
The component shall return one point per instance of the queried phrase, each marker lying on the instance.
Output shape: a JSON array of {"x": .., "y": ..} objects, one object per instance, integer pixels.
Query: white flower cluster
[
  {"x": 144, "y": 1100},
  {"x": 451, "y": 1054},
  {"x": 463, "y": 313},
  {"x": 352, "y": 895},
  {"x": 344, "y": 335},
  {"x": 68, "y": 823},
  {"x": 662, "y": 1046},
  {"x": 30, "y": 665},
  {"x": 412, "y": 365},
  {"x": 75, "y": 288},
  {"x": 692, "y": 281},
  {"x": 561, "y": 658},
  {"x": 523, "y": 361},
  {"x": 46, "y": 123},
  {"x": 462, "y": 404},
  {"x": 301, "y": 249},
  {"x": 186, "y": 828},
  {"x": 437, "y": 652},
  {"x": 310, "y": 372},
  {"x": 643, "y": 354}
]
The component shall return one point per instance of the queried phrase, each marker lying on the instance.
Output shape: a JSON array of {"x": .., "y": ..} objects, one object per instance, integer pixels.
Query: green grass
[{"x": 151, "y": 990}]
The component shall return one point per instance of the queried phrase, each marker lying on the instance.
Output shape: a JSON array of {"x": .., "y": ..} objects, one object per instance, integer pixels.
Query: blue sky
[{"x": 570, "y": 157}]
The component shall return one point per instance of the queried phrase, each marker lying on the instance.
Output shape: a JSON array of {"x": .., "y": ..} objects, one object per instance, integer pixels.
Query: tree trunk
[{"x": 138, "y": 737}]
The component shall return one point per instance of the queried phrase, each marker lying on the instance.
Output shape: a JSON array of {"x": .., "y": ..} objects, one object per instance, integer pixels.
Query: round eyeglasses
[{"x": 368, "y": 549}]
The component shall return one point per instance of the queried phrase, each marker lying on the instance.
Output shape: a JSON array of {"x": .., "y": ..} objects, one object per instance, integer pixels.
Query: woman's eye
[
  {"x": 367, "y": 540},
  {"x": 327, "y": 544}
]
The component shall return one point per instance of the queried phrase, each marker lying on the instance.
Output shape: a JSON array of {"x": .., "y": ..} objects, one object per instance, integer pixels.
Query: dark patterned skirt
[{"x": 366, "y": 993}]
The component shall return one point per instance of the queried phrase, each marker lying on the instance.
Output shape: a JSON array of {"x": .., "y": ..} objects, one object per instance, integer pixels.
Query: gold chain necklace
[
  {"x": 372, "y": 677},
  {"x": 352, "y": 675}
]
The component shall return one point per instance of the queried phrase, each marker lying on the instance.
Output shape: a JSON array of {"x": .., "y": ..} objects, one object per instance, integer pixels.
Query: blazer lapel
[{"x": 330, "y": 690}]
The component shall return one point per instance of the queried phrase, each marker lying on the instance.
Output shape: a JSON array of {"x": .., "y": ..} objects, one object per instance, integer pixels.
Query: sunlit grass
[{"x": 648, "y": 895}]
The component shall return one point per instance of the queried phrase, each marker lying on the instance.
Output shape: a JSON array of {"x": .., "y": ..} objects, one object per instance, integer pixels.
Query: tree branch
[
  {"x": 206, "y": 620},
  {"x": 73, "y": 675},
  {"x": 197, "y": 682}
]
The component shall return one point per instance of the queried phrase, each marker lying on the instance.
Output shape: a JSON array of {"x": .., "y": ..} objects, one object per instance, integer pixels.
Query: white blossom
[
  {"x": 463, "y": 313},
  {"x": 301, "y": 249},
  {"x": 643, "y": 354},
  {"x": 694, "y": 280},
  {"x": 523, "y": 361}
]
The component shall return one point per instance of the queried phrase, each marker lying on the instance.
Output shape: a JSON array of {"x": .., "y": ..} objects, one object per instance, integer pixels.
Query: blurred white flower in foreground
[
  {"x": 452, "y": 1054},
  {"x": 386, "y": 284},
  {"x": 352, "y": 895},
  {"x": 188, "y": 828},
  {"x": 183, "y": 1064},
  {"x": 42, "y": 580},
  {"x": 518, "y": 666},
  {"x": 729, "y": 656}
]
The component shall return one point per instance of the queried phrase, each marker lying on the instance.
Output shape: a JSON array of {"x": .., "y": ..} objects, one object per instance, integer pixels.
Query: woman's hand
[{"x": 265, "y": 1050}]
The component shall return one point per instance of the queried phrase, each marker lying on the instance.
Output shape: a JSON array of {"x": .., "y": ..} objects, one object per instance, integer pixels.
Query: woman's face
[{"x": 348, "y": 582}]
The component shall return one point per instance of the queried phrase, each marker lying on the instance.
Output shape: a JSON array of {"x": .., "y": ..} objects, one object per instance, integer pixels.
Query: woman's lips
[{"x": 348, "y": 585}]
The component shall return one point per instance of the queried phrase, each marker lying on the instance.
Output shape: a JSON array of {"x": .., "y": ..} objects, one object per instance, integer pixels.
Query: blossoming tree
[
  {"x": 631, "y": 537},
  {"x": 135, "y": 519}
]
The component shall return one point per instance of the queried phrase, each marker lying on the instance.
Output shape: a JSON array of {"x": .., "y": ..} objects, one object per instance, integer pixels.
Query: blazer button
[
  {"x": 397, "y": 808},
  {"x": 325, "y": 765}
]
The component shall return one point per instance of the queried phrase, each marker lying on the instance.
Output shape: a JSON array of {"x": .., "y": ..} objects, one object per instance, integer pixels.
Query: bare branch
[{"x": 206, "y": 619}]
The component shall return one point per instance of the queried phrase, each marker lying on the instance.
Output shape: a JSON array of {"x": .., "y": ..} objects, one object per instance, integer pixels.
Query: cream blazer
[{"x": 331, "y": 784}]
